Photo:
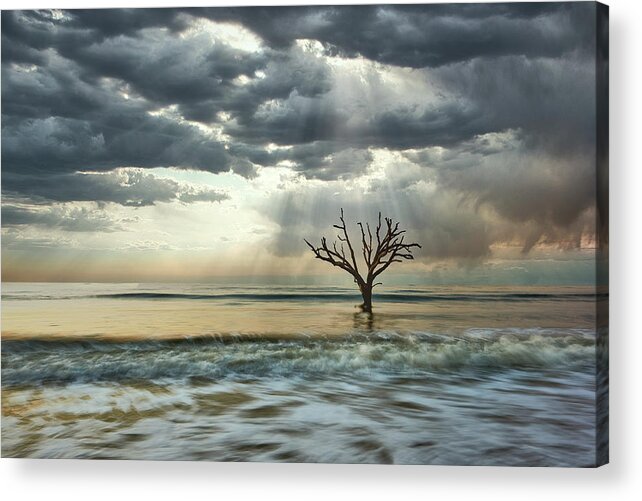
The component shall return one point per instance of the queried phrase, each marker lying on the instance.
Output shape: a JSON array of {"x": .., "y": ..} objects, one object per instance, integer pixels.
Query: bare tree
[{"x": 378, "y": 256}]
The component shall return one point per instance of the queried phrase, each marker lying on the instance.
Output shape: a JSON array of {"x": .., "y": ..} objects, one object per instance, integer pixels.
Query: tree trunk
[{"x": 366, "y": 293}]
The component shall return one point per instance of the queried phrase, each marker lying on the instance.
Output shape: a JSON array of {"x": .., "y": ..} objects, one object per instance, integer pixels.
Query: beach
[{"x": 294, "y": 373}]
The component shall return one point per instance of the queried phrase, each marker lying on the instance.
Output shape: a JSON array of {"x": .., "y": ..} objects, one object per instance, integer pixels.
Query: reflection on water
[
  {"x": 434, "y": 376},
  {"x": 363, "y": 321}
]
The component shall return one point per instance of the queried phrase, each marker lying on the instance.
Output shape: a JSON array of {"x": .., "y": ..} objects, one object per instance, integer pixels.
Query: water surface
[{"x": 476, "y": 375}]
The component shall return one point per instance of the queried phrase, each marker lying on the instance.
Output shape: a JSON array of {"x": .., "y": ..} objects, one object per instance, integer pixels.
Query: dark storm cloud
[
  {"x": 113, "y": 22},
  {"x": 55, "y": 121},
  {"x": 423, "y": 35},
  {"x": 526, "y": 67},
  {"x": 68, "y": 30},
  {"x": 296, "y": 120},
  {"x": 521, "y": 190},
  {"x": 68, "y": 111},
  {"x": 303, "y": 121},
  {"x": 291, "y": 74},
  {"x": 166, "y": 70},
  {"x": 160, "y": 66},
  {"x": 57, "y": 144},
  {"x": 543, "y": 198},
  {"x": 409, "y": 35},
  {"x": 551, "y": 101},
  {"x": 94, "y": 90}
]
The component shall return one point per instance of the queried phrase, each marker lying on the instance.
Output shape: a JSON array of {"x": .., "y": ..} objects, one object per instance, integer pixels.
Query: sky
[{"x": 199, "y": 144}]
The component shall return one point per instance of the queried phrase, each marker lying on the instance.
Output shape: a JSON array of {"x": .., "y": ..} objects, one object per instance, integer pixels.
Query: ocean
[{"x": 281, "y": 373}]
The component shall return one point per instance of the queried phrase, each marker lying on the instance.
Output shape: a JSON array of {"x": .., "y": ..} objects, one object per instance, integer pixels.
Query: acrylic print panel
[{"x": 369, "y": 234}]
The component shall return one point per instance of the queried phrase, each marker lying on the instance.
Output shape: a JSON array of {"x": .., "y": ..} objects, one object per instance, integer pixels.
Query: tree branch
[{"x": 390, "y": 249}]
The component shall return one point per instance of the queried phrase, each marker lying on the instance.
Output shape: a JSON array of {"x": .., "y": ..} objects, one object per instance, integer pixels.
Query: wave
[
  {"x": 393, "y": 297},
  {"x": 402, "y": 297},
  {"x": 40, "y": 361}
]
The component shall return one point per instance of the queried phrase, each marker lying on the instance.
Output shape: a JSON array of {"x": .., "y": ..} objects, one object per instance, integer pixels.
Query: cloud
[
  {"x": 75, "y": 219},
  {"x": 128, "y": 187},
  {"x": 15, "y": 238},
  {"x": 191, "y": 195},
  {"x": 497, "y": 67},
  {"x": 550, "y": 101},
  {"x": 456, "y": 205},
  {"x": 474, "y": 124},
  {"x": 418, "y": 36},
  {"x": 165, "y": 69},
  {"x": 57, "y": 144}
]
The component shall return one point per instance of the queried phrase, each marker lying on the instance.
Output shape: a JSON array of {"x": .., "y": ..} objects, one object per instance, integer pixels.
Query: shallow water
[{"x": 201, "y": 372}]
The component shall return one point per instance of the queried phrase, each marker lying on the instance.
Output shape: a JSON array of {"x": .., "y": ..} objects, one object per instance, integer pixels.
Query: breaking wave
[{"x": 38, "y": 361}]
